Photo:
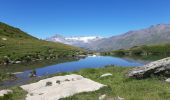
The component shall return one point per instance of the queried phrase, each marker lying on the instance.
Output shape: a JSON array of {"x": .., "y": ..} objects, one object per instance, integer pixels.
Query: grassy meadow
[{"x": 153, "y": 88}]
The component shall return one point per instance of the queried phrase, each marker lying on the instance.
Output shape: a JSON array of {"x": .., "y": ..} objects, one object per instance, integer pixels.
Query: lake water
[{"x": 88, "y": 62}]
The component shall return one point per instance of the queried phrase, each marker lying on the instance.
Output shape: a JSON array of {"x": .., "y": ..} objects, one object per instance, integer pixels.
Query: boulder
[
  {"x": 120, "y": 98},
  {"x": 159, "y": 67},
  {"x": 3, "y": 92},
  {"x": 17, "y": 62},
  {"x": 167, "y": 80},
  {"x": 76, "y": 84},
  {"x": 102, "y": 97},
  {"x": 4, "y": 39}
]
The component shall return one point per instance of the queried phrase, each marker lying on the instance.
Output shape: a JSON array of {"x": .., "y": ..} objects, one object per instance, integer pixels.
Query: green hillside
[
  {"x": 17, "y": 46},
  {"x": 152, "y": 50}
]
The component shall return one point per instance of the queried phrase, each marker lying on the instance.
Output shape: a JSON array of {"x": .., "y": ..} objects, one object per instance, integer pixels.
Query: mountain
[
  {"x": 17, "y": 46},
  {"x": 155, "y": 34},
  {"x": 83, "y": 41}
]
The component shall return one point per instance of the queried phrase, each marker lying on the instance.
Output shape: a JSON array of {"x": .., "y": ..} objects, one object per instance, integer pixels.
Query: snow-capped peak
[
  {"x": 84, "y": 39},
  {"x": 80, "y": 40}
]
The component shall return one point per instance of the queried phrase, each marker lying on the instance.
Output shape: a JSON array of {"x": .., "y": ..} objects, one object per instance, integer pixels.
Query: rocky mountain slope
[{"x": 156, "y": 34}]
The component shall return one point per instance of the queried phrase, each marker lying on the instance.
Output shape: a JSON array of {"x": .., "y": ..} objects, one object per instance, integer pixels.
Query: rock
[
  {"x": 38, "y": 91},
  {"x": 106, "y": 74},
  {"x": 3, "y": 92},
  {"x": 33, "y": 73},
  {"x": 17, "y": 73},
  {"x": 4, "y": 39},
  {"x": 48, "y": 84},
  {"x": 167, "y": 80},
  {"x": 159, "y": 67},
  {"x": 120, "y": 98},
  {"x": 17, "y": 62},
  {"x": 102, "y": 97}
]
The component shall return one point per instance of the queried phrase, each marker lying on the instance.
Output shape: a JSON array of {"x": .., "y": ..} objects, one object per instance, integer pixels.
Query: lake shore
[
  {"x": 24, "y": 71},
  {"x": 153, "y": 88}
]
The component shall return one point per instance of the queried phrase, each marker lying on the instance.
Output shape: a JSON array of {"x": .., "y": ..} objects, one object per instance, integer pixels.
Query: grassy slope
[
  {"x": 153, "y": 50},
  {"x": 19, "y": 45},
  {"x": 119, "y": 85},
  {"x": 154, "y": 88}
]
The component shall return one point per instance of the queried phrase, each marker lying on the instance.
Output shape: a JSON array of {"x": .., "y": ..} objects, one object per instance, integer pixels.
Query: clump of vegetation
[
  {"x": 6, "y": 76},
  {"x": 18, "y": 94}
]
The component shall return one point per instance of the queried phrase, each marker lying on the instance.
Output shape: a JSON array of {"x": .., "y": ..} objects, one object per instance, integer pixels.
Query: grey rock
[
  {"x": 167, "y": 80},
  {"x": 102, "y": 97},
  {"x": 159, "y": 67},
  {"x": 3, "y": 92},
  {"x": 106, "y": 74},
  {"x": 120, "y": 98},
  {"x": 18, "y": 62}
]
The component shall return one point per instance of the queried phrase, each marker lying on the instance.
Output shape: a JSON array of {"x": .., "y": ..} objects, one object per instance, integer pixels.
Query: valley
[
  {"x": 25, "y": 59},
  {"x": 84, "y": 50}
]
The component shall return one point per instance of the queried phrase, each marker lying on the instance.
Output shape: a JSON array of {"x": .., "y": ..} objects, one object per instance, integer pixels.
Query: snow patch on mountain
[
  {"x": 79, "y": 41},
  {"x": 83, "y": 39}
]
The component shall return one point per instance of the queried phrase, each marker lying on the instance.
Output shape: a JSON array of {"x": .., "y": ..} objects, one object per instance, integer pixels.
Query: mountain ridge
[
  {"x": 79, "y": 41},
  {"x": 155, "y": 34}
]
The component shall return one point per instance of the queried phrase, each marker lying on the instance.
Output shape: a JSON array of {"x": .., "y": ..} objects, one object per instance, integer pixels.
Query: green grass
[
  {"x": 20, "y": 46},
  {"x": 153, "y": 88},
  {"x": 18, "y": 94}
]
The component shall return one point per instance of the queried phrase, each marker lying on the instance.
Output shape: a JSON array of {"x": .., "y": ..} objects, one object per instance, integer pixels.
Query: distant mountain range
[
  {"x": 155, "y": 34},
  {"x": 81, "y": 41}
]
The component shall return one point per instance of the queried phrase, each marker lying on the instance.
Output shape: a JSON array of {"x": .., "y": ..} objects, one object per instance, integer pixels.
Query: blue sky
[{"x": 44, "y": 18}]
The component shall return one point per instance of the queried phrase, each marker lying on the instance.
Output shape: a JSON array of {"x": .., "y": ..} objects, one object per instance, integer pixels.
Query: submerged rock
[{"x": 159, "y": 67}]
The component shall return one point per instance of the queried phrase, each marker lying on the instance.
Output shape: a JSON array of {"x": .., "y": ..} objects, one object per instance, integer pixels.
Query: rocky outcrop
[
  {"x": 4, "y": 92},
  {"x": 160, "y": 67},
  {"x": 59, "y": 87},
  {"x": 167, "y": 80}
]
